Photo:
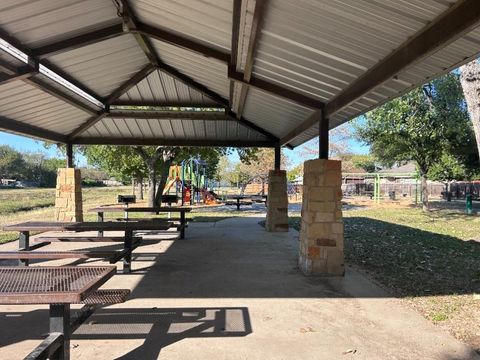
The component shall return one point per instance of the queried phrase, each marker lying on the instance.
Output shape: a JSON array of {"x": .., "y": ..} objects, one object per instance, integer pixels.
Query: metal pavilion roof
[{"x": 217, "y": 72}]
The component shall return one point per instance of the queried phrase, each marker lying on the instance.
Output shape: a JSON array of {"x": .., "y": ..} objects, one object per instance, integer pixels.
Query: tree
[
  {"x": 353, "y": 162},
  {"x": 295, "y": 172},
  {"x": 422, "y": 125},
  {"x": 338, "y": 142},
  {"x": 470, "y": 80},
  {"x": 12, "y": 164},
  {"x": 365, "y": 162},
  {"x": 226, "y": 171},
  {"x": 263, "y": 162}
]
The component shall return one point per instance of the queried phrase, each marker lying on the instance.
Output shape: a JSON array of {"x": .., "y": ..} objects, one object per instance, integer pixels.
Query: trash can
[
  {"x": 391, "y": 195},
  {"x": 469, "y": 204}
]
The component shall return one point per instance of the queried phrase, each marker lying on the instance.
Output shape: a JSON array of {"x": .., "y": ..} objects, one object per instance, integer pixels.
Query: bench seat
[
  {"x": 112, "y": 255},
  {"x": 83, "y": 238},
  {"x": 107, "y": 297}
]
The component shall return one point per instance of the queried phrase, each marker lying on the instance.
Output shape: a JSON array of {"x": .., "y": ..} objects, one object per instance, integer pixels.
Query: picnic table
[
  {"x": 145, "y": 209},
  {"x": 127, "y": 227},
  {"x": 59, "y": 287},
  {"x": 238, "y": 198}
]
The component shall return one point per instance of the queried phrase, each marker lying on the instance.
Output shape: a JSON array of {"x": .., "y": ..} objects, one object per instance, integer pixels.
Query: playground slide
[
  {"x": 215, "y": 195},
  {"x": 208, "y": 198},
  {"x": 169, "y": 185}
]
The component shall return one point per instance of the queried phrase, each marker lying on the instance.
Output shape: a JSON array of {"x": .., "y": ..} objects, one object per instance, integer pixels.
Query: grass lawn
[
  {"x": 18, "y": 205},
  {"x": 430, "y": 260}
]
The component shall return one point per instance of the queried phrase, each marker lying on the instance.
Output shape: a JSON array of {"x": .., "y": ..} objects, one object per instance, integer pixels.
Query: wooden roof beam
[
  {"x": 445, "y": 29},
  {"x": 75, "y": 42},
  {"x": 181, "y": 115},
  {"x": 36, "y": 62},
  {"x": 181, "y": 41},
  {"x": 172, "y": 142},
  {"x": 258, "y": 15},
  {"x": 276, "y": 90},
  {"x": 30, "y": 130}
]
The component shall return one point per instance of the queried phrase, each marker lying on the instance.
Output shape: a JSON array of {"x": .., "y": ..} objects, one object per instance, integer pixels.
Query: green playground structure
[{"x": 376, "y": 196}]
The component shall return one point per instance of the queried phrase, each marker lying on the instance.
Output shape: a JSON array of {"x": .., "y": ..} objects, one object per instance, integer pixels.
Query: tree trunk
[
  {"x": 139, "y": 187},
  {"x": 162, "y": 181},
  {"x": 470, "y": 80},
  {"x": 152, "y": 183},
  {"x": 425, "y": 205},
  {"x": 449, "y": 191}
]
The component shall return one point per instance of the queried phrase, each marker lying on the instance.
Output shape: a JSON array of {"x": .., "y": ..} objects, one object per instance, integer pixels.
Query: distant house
[
  {"x": 112, "y": 182},
  {"x": 405, "y": 173},
  {"x": 8, "y": 182}
]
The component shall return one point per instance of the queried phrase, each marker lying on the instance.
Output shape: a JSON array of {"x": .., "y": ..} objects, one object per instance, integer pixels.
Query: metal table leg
[
  {"x": 182, "y": 224},
  {"x": 127, "y": 260},
  {"x": 60, "y": 323},
  {"x": 100, "y": 219},
  {"x": 24, "y": 244}
]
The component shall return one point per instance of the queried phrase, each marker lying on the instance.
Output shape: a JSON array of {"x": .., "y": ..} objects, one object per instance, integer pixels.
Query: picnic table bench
[
  {"x": 144, "y": 209},
  {"x": 25, "y": 252},
  {"x": 59, "y": 287}
]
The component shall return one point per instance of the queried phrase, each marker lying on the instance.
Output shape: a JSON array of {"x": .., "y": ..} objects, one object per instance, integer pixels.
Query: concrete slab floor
[{"x": 230, "y": 290}]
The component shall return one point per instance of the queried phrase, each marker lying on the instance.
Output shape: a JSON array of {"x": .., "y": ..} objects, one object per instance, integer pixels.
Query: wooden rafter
[
  {"x": 276, "y": 90},
  {"x": 34, "y": 64},
  {"x": 30, "y": 130},
  {"x": 446, "y": 28},
  {"x": 180, "y": 115},
  {"x": 75, "y": 42},
  {"x": 258, "y": 15},
  {"x": 174, "y": 142}
]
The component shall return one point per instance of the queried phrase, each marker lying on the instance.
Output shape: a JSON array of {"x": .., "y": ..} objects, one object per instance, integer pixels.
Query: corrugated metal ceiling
[
  {"x": 207, "y": 71},
  {"x": 313, "y": 47},
  {"x": 105, "y": 65},
  {"x": 32, "y": 106},
  {"x": 36, "y": 22},
  {"x": 126, "y": 128},
  {"x": 209, "y": 22},
  {"x": 161, "y": 89}
]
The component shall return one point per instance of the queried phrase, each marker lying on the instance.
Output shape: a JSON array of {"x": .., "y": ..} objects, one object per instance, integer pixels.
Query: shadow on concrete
[{"x": 159, "y": 327}]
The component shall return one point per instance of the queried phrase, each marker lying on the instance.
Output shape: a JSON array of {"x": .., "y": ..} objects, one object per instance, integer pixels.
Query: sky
[{"x": 26, "y": 144}]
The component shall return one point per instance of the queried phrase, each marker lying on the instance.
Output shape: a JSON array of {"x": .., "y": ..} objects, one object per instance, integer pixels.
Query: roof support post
[
  {"x": 323, "y": 138},
  {"x": 278, "y": 156},
  {"x": 69, "y": 159}
]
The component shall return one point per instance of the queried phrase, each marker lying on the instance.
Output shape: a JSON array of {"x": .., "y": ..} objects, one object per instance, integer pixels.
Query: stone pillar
[
  {"x": 277, "y": 201},
  {"x": 321, "y": 233},
  {"x": 68, "y": 195}
]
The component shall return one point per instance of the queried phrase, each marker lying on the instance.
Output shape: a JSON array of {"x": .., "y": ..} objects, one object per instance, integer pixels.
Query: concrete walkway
[{"x": 232, "y": 291}]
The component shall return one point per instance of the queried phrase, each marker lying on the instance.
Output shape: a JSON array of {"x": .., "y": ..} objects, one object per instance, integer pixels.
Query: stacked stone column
[
  {"x": 68, "y": 195},
  {"x": 321, "y": 233},
  {"x": 277, "y": 201}
]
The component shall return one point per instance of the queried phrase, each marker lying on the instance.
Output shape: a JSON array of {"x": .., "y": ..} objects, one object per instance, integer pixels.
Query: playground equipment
[
  {"x": 378, "y": 187},
  {"x": 189, "y": 180}
]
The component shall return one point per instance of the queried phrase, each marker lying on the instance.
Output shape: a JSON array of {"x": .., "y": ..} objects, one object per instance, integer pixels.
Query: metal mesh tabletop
[
  {"x": 86, "y": 226},
  {"x": 49, "y": 285}
]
